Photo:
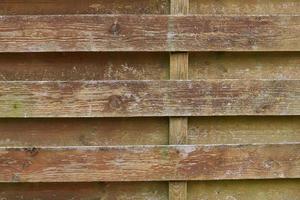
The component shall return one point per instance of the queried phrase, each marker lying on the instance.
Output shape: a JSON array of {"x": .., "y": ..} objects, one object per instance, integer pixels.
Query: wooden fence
[{"x": 150, "y": 99}]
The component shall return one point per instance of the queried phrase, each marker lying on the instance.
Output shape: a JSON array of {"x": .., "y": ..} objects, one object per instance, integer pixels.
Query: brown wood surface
[
  {"x": 83, "y": 132},
  {"x": 244, "y": 65},
  {"x": 178, "y": 130},
  {"x": 244, "y": 7},
  {"x": 149, "y": 98},
  {"x": 149, "y": 33},
  {"x": 149, "y": 163},
  {"x": 278, "y": 189},
  {"x": 179, "y": 7},
  {"x": 178, "y": 190},
  {"x": 84, "y": 191},
  {"x": 76, "y": 66},
  {"x": 178, "y": 126},
  {"x": 243, "y": 129},
  {"x": 49, "y": 7}
]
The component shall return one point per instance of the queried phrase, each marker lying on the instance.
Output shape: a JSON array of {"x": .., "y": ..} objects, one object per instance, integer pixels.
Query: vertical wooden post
[{"x": 178, "y": 125}]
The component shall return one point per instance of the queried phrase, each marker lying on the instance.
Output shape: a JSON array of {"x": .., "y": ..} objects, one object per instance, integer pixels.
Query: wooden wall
[{"x": 196, "y": 100}]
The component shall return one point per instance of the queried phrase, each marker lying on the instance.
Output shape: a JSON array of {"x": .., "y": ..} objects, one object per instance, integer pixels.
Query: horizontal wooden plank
[
  {"x": 84, "y": 191},
  {"x": 243, "y": 129},
  {"x": 197, "y": 190},
  {"x": 42, "y": 7},
  {"x": 83, "y": 131},
  {"x": 149, "y": 163},
  {"x": 244, "y": 7},
  {"x": 149, "y": 98},
  {"x": 75, "y": 66},
  {"x": 149, "y": 33},
  {"x": 280, "y": 189},
  {"x": 244, "y": 65}
]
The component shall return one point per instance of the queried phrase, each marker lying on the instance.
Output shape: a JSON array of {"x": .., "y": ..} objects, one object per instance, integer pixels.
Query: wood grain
[
  {"x": 245, "y": 189},
  {"x": 149, "y": 163},
  {"x": 84, "y": 191},
  {"x": 149, "y": 98},
  {"x": 179, "y": 63},
  {"x": 244, "y": 65},
  {"x": 83, "y": 132},
  {"x": 149, "y": 33},
  {"x": 70, "y": 66},
  {"x": 46, "y": 7},
  {"x": 179, "y": 7},
  {"x": 243, "y": 129},
  {"x": 244, "y": 7},
  {"x": 178, "y": 190},
  {"x": 178, "y": 130},
  {"x": 179, "y": 66}
]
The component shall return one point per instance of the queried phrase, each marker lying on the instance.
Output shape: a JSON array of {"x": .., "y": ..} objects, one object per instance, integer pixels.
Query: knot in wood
[
  {"x": 33, "y": 151},
  {"x": 115, "y": 102},
  {"x": 115, "y": 28}
]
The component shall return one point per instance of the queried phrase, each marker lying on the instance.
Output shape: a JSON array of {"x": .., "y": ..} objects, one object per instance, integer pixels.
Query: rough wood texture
[
  {"x": 282, "y": 189},
  {"x": 149, "y": 163},
  {"x": 178, "y": 125},
  {"x": 83, "y": 66},
  {"x": 48, "y": 7},
  {"x": 243, "y": 130},
  {"x": 149, "y": 33},
  {"x": 83, "y": 132},
  {"x": 178, "y": 131},
  {"x": 84, "y": 191},
  {"x": 179, "y": 66},
  {"x": 179, "y": 7},
  {"x": 242, "y": 65},
  {"x": 244, "y": 7},
  {"x": 178, "y": 190},
  {"x": 149, "y": 98}
]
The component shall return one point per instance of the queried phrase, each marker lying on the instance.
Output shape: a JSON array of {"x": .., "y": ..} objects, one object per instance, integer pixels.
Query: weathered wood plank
[
  {"x": 280, "y": 189},
  {"x": 178, "y": 130},
  {"x": 149, "y": 98},
  {"x": 179, "y": 66},
  {"x": 244, "y": 7},
  {"x": 42, "y": 7},
  {"x": 149, "y": 163},
  {"x": 149, "y": 33},
  {"x": 179, "y": 63},
  {"x": 83, "y": 132},
  {"x": 243, "y": 130},
  {"x": 178, "y": 190},
  {"x": 179, "y": 7},
  {"x": 242, "y": 65},
  {"x": 86, "y": 191},
  {"x": 76, "y": 66}
]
